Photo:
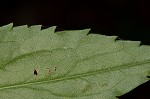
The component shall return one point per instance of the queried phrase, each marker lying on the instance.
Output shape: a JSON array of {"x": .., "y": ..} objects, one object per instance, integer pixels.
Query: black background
[{"x": 128, "y": 19}]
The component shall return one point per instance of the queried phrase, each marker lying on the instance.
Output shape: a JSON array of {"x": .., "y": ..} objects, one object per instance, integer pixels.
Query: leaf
[{"x": 70, "y": 64}]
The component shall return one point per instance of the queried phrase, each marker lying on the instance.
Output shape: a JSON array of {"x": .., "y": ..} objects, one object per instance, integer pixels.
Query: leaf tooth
[
  {"x": 36, "y": 28},
  {"x": 49, "y": 30},
  {"x": 20, "y": 28},
  {"x": 86, "y": 31},
  {"x": 73, "y": 37},
  {"x": 72, "y": 32},
  {"x": 128, "y": 44},
  {"x": 111, "y": 38},
  {"x": 4, "y": 30},
  {"x": 96, "y": 38},
  {"x": 6, "y": 27}
]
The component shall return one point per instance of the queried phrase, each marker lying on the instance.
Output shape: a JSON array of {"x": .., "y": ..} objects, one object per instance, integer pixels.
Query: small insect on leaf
[
  {"x": 47, "y": 71},
  {"x": 35, "y": 72},
  {"x": 55, "y": 68}
]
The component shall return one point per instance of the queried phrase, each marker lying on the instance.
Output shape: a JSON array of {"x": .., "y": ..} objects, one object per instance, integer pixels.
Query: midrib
[{"x": 77, "y": 75}]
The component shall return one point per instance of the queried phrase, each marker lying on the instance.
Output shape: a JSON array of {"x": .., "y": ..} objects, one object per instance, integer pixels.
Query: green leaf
[{"x": 69, "y": 64}]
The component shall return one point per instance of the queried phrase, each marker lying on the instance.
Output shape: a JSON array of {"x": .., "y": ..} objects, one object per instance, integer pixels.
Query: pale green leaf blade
[
  {"x": 4, "y": 30},
  {"x": 70, "y": 64}
]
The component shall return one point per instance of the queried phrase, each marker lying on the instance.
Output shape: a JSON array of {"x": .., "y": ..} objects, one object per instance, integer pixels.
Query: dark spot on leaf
[{"x": 35, "y": 72}]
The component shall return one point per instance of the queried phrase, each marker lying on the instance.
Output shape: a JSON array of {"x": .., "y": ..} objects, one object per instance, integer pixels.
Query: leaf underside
[{"x": 69, "y": 64}]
